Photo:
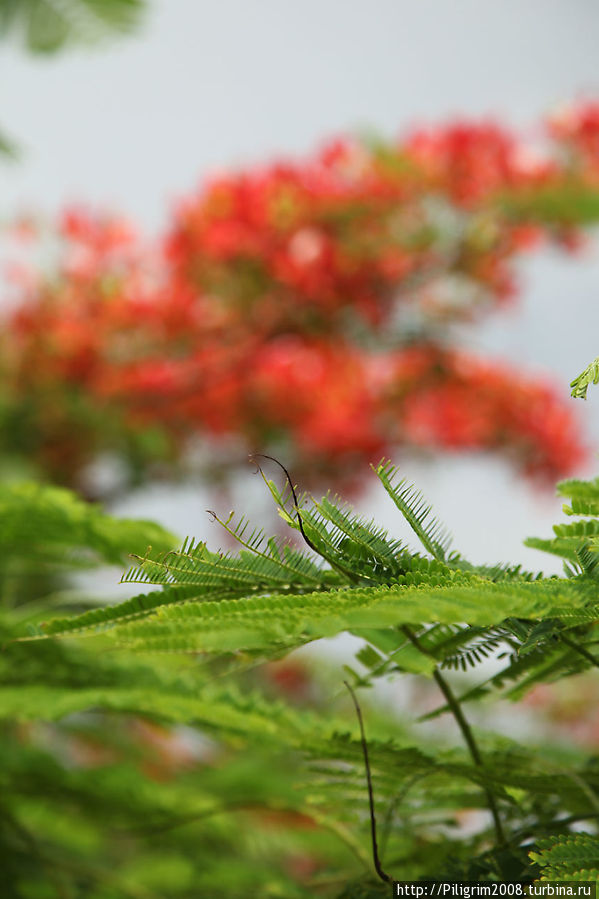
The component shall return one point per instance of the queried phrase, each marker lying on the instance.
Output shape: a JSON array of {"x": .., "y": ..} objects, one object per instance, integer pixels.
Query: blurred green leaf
[
  {"x": 49, "y": 25},
  {"x": 8, "y": 148}
]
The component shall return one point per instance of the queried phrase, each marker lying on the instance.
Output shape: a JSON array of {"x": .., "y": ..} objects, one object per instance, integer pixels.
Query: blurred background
[{"x": 136, "y": 124}]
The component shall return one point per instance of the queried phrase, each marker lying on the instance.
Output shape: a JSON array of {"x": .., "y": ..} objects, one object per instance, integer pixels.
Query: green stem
[{"x": 467, "y": 734}]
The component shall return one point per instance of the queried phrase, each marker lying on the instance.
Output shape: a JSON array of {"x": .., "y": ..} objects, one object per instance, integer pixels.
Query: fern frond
[
  {"x": 574, "y": 617},
  {"x": 362, "y": 542},
  {"x": 477, "y": 646},
  {"x": 587, "y": 557},
  {"x": 546, "y": 667},
  {"x": 580, "y": 506},
  {"x": 535, "y": 653},
  {"x": 566, "y": 547},
  {"x": 220, "y": 572},
  {"x": 501, "y": 572},
  {"x": 578, "y": 542},
  {"x": 328, "y": 543},
  {"x": 412, "y": 505},
  {"x": 587, "y": 530},
  {"x": 576, "y": 489},
  {"x": 269, "y": 622},
  {"x": 52, "y": 526},
  {"x": 137, "y": 606},
  {"x": 291, "y": 564},
  {"x": 569, "y": 855}
]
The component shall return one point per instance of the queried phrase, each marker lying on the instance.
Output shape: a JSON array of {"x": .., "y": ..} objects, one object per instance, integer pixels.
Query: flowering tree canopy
[{"x": 305, "y": 308}]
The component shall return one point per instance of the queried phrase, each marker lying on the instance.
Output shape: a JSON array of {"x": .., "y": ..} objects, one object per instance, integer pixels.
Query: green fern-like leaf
[
  {"x": 576, "y": 489},
  {"x": 581, "y": 506},
  {"x": 575, "y": 856},
  {"x": 51, "y": 526},
  {"x": 576, "y": 542},
  {"x": 268, "y": 623},
  {"x": 434, "y": 537},
  {"x": 589, "y": 376}
]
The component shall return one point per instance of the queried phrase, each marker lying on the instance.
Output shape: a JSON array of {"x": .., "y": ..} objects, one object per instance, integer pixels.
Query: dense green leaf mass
[{"x": 280, "y": 786}]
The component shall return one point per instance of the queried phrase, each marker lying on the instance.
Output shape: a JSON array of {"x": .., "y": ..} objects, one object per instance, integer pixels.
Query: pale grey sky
[{"x": 207, "y": 84}]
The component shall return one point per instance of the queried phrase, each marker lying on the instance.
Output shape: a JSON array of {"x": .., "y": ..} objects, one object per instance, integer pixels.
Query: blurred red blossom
[
  {"x": 576, "y": 128},
  {"x": 305, "y": 308}
]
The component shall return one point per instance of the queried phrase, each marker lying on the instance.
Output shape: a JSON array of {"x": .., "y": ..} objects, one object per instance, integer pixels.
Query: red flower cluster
[
  {"x": 472, "y": 164},
  {"x": 353, "y": 230},
  {"x": 576, "y": 128},
  {"x": 304, "y": 309},
  {"x": 459, "y": 402}
]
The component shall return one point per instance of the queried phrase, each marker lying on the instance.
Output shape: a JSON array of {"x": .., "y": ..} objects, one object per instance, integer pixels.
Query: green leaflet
[
  {"x": 579, "y": 506},
  {"x": 569, "y": 539},
  {"x": 574, "y": 488},
  {"x": 589, "y": 376},
  {"x": 572, "y": 857}
]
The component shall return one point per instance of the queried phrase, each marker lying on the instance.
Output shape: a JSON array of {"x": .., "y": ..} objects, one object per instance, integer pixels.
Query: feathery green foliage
[
  {"x": 191, "y": 651},
  {"x": 51, "y": 526},
  {"x": 574, "y": 857},
  {"x": 83, "y": 732}
]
